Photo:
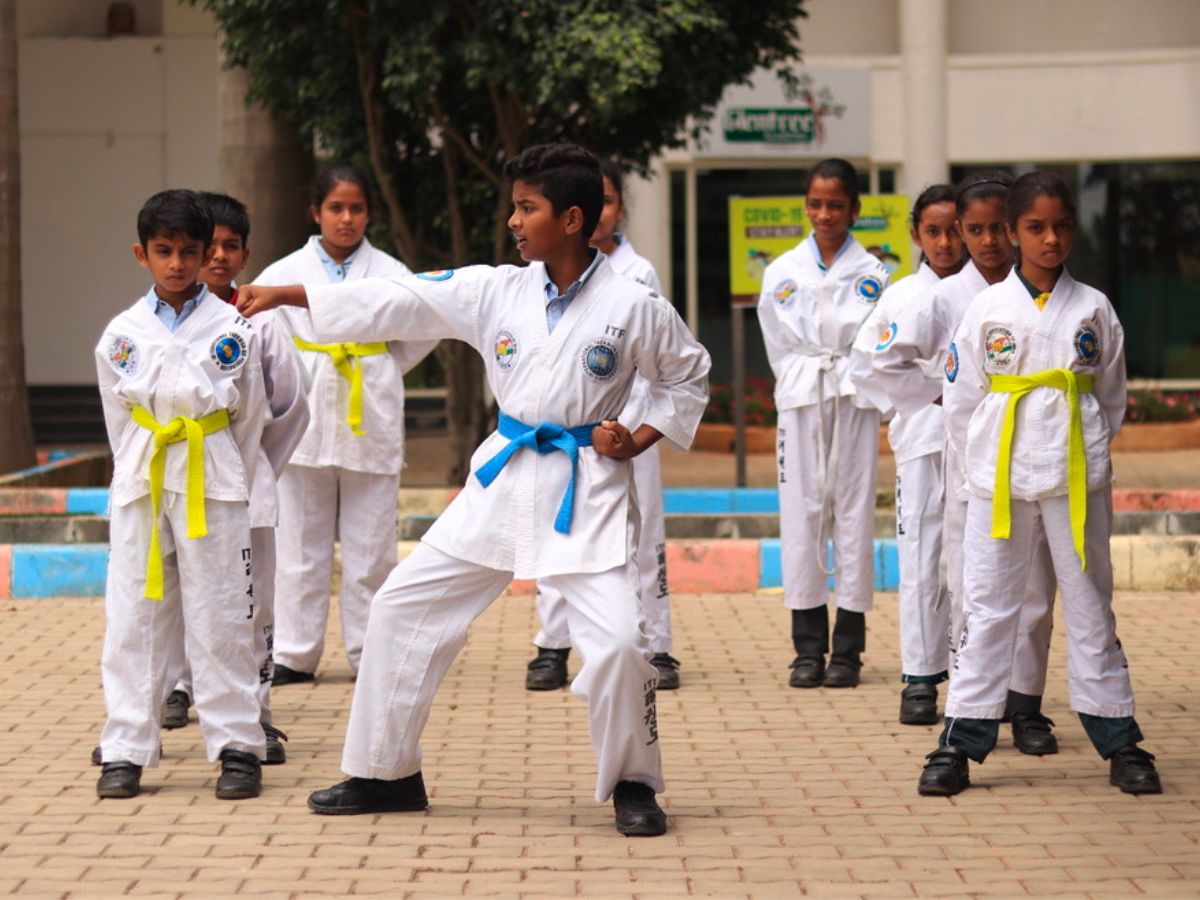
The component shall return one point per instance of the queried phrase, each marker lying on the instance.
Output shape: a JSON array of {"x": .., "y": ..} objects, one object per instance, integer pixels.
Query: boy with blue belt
[{"x": 562, "y": 340}]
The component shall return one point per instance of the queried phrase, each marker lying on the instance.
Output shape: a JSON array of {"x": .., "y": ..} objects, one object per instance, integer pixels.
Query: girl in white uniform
[
  {"x": 548, "y": 670},
  {"x": 343, "y": 481},
  {"x": 917, "y": 435},
  {"x": 815, "y": 298},
  {"x": 1036, "y": 394}
]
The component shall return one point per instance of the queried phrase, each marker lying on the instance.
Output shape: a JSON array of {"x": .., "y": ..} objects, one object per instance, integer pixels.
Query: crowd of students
[{"x": 252, "y": 428}]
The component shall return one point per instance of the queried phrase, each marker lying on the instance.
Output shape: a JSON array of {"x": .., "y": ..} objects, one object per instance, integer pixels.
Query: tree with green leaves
[{"x": 432, "y": 97}]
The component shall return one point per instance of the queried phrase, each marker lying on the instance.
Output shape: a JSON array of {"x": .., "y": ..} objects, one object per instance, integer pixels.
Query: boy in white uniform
[
  {"x": 541, "y": 503},
  {"x": 185, "y": 405}
]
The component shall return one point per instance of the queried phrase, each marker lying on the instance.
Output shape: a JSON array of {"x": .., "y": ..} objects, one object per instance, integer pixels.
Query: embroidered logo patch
[
  {"x": 505, "y": 346},
  {"x": 228, "y": 351},
  {"x": 868, "y": 288},
  {"x": 785, "y": 293},
  {"x": 600, "y": 359},
  {"x": 1087, "y": 345},
  {"x": 886, "y": 338},
  {"x": 952, "y": 363},
  {"x": 437, "y": 275},
  {"x": 123, "y": 354},
  {"x": 1000, "y": 346}
]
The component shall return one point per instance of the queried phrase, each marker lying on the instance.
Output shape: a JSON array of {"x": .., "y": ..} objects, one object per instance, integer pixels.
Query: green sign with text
[{"x": 781, "y": 125}]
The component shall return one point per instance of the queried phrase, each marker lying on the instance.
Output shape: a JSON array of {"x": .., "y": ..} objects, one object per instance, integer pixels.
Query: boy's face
[
  {"x": 539, "y": 233},
  {"x": 229, "y": 257},
  {"x": 174, "y": 262}
]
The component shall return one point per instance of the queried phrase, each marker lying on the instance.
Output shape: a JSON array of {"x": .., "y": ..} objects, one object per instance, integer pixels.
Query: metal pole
[{"x": 739, "y": 391}]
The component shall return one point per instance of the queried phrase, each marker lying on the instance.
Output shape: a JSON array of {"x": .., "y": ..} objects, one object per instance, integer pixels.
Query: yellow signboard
[{"x": 763, "y": 228}]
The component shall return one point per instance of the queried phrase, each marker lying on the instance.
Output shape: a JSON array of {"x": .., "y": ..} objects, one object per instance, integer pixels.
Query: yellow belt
[
  {"x": 178, "y": 429},
  {"x": 1017, "y": 386},
  {"x": 345, "y": 360}
]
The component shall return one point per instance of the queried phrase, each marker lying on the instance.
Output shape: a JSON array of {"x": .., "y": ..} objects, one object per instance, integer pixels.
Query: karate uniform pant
[
  {"x": 800, "y": 513},
  {"x": 317, "y": 506},
  {"x": 924, "y": 604},
  {"x": 418, "y": 624},
  {"x": 651, "y": 555},
  {"x": 262, "y": 561},
  {"x": 1097, "y": 673},
  {"x": 1031, "y": 653},
  {"x": 206, "y": 599}
]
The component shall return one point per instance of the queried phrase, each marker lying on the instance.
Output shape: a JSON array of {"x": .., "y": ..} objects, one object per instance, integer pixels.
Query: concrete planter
[{"x": 1152, "y": 436}]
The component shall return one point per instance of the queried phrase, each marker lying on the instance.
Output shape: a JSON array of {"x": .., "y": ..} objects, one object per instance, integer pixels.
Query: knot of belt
[
  {"x": 178, "y": 429},
  {"x": 544, "y": 438},
  {"x": 1017, "y": 386},
  {"x": 345, "y": 358}
]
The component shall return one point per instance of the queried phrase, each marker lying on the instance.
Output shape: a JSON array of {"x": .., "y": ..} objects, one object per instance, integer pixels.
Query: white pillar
[{"x": 924, "y": 27}]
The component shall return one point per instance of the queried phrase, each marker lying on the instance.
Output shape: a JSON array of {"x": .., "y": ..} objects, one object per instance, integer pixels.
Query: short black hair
[
  {"x": 838, "y": 170},
  {"x": 1032, "y": 185},
  {"x": 174, "y": 212},
  {"x": 227, "y": 211},
  {"x": 566, "y": 174},
  {"x": 977, "y": 186},
  {"x": 330, "y": 177},
  {"x": 932, "y": 195}
]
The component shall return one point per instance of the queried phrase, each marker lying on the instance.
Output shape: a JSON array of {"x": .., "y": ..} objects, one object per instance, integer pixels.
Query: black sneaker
[
  {"x": 1032, "y": 734},
  {"x": 241, "y": 776},
  {"x": 286, "y": 675},
  {"x": 842, "y": 673},
  {"x": 918, "y": 704},
  {"x": 668, "y": 671},
  {"x": 276, "y": 755},
  {"x": 945, "y": 774},
  {"x": 638, "y": 813},
  {"x": 357, "y": 796},
  {"x": 548, "y": 670},
  {"x": 175, "y": 710},
  {"x": 807, "y": 672},
  {"x": 1132, "y": 770},
  {"x": 119, "y": 780}
]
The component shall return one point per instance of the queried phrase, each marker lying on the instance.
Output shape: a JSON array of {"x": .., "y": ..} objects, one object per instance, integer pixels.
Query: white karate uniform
[
  {"x": 651, "y": 553},
  {"x": 339, "y": 485},
  {"x": 579, "y": 374},
  {"x": 1004, "y": 333},
  {"x": 212, "y": 362},
  {"x": 828, "y": 434}
]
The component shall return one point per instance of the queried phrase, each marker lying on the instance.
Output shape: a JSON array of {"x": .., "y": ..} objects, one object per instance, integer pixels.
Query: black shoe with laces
[
  {"x": 807, "y": 672},
  {"x": 918, "y": 704},
  {"x": 548, "y": 670},
  {"x": 1132, "y": 770},
  {"x": 175, "y": 710},
  {"x": 287, "y": 675},
  {"x": 668, "y": 671},
  {"x": 1032, "y": 734},
  {"x": 276, "y": 755},
  {"x": 356, "y": 796},
  {"x": 119, "y": 780},
  {"x": 637, "y": 812},
  {"x": 946, "y": 773},
  {"x": 241, "y": 776}
]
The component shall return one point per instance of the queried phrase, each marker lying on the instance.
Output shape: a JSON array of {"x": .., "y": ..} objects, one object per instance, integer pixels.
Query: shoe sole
[
  {"x": 238, "y": 795},
  {"x": 172, "y": 724},
  {"x": 840, "y": 684},
  {"x": 921, "y": 720},
  {"x": 544, "y": 687},
  {"x": 1048, "y": 752},
  {"x": 366, "y": 810},
  {"x": 1124, "y": 789},
  {"x": 117, "y": 795},
  {"x": 935, "y": 790},
  {"x": 646, "y": 830}
]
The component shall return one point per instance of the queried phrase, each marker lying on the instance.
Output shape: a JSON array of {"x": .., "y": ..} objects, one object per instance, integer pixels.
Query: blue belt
[{"x": 544, "y": 438}]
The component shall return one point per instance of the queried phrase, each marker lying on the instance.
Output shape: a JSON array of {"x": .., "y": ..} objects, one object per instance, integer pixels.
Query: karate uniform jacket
[
  {"x": 810, "y": 319},
  {"x": 579, "y": 374},
  {"x": 627, "y": 262},
  {"x": 1004, "y": 333},
  {"x": 329, "y": 440}
]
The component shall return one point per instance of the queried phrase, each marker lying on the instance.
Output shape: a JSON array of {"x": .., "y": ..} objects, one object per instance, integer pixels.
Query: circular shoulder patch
[
  {"x": 1087, "y": 345},
  {"x": 600, "y": 359},
  {"x": 868, "y": 288},
  {"x": 123, "y": 354},
  {"x": 785, "y": 293},
  {"x": 952, "y": 363},
  {"x": 437, "y": 275},
  {"x": 888, "y": 335},
  {"x": 1000, "y": 345},
  {"x": 505, "y": 347},
  {"x": 228, "y": 351}
]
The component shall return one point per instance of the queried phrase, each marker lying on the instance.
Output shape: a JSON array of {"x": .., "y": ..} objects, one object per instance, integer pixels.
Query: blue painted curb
[
  {"x": 887, "y": 564},
  {"x": 87, "y": 501},
  {"x": 59, "y": 570},
  {"x": 696, "y": 501}
]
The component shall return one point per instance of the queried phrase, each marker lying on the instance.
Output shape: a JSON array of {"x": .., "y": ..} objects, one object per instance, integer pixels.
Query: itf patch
[
  {"x": 888, "y": 335},
  {"x": 785, "y": 293},
  {"x": 505, "y": 347},
  {"x": 228, "y": 351},
  {"x": 600, "y": 360},
  {"x": 437, "y": 275},
  {"x": 952, "y": 363},
  {"x": 868, "y": 288},
  {"x": 1000, "y": 345},
  {"x": 1087, "y": 345},
  {"x": 123, "y": 354}
]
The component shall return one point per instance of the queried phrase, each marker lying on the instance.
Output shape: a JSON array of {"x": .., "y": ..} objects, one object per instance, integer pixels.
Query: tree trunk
[{"x": 16, "y": 433}]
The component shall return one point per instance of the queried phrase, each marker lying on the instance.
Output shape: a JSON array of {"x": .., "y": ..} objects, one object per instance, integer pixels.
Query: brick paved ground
[{"x": 773, "y": 792}]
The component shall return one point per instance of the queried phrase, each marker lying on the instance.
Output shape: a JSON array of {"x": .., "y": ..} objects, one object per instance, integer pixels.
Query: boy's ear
[
  {"x": 139, "y": 253},
  {"x": 572, "y": 220}
]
